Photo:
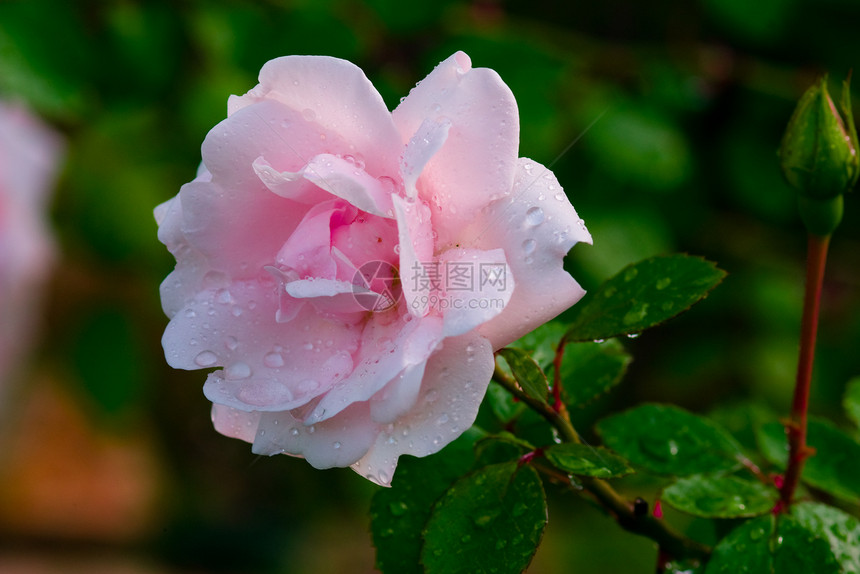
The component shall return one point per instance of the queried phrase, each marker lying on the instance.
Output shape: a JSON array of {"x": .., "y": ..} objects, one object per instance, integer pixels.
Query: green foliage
[
  {"x": 490, "y": 521},
  {"x": 588, "y": 370},
  {"x": 851, "y": 400},
  {"x": 665, "y": 439},
  {"x": 833, "y": 468},
  {"x": 527, "y": 372},
  {"x": 839, "y": 529},
  {"x": 586, "y": 460},
  {"x": 398, "y": 514},
  {"x": 720, "y": 496},
  {"x": 643, "y": 295},
  {"x": 778, "y": 544}
]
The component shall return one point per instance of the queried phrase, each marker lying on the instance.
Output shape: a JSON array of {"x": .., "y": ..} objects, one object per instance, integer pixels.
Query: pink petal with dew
[
  {"x": 416, "y": 241},
  {"x": 336, "y": 442},
  {"x": 386, "y": 349},
  {"x": 289, "y": 185},
  {"x": 454, "y": 384},
  {"x": 235, "y": 423},
  {"x": 536, "y": 226},
  {"x": 478, "y": 161},
  {"x": 348, "y": 180},
  {"x": 267, "y": 365},
  {"x": 336, "y": 96},
  {"x": 480, "y": 292},
  {"x": 429, "y": 139},
  {"x": 398, "y": 396},
  {"x": 308, "y": 249}
]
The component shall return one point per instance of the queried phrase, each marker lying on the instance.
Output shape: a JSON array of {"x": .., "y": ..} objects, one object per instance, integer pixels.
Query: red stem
[
  {"x": 558, "y": 404},
  {"x": 796, "y": 428}
]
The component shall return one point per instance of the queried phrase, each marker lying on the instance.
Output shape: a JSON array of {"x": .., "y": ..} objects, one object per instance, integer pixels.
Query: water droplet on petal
[
  {"x": 238, "y": 371},
  {"x": 534, "y": 216},
  {"x": 273, "y": 360},
  {"x": 336, "y": 445},
  {"x": 231, "y": 343},
  {"x": 205, "y": 359},
  {"x": 529, "y": 246}
]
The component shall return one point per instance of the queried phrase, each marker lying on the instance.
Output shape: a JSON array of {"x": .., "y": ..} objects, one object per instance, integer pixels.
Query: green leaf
[
  {"x": 502, "y": 404},
  {"x": 587, "y": 460},
  {"x": 542, "y": 342},
  {"x": 771, "y": 544},
  {"x": 490, "y": 521},
  {"x": 720, "y": 496},
  {"x": 589, "y": 370},
  {"x": 527, "y": 372},
  {"x": 851, "y": 401},
  {"x": 835, "y": 466},
  {"x": 665, "y": 439},
  {"x": 503, "y": 447},
  {"x": 643, "y": 295},
  {"x": 839, "y": 529},
  {"x": 398, "y": 514}
]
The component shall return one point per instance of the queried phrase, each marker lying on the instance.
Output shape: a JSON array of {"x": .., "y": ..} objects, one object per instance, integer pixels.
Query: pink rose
[
  {"x": 352, "y": 269},
  {"x": 29, "y": 158}
]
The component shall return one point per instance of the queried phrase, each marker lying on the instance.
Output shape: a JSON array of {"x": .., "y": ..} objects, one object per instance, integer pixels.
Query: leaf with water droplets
[
  {"x": 851, "y": 401},
  {"x": 489, "y": 521},
  {"x": 503, "y": 447},
  {"x": 643, "y": 295},
  {"x": 720, "y": 496},
  {"x": 840, "y": 530},
  {"x": 527, "y": 372},
  {"x": 398, "y": 514},
  {"x": 665, "y": 439},
  {"x": 586, "y": 460},
  {"x": 588, "y": 370},
  {"x": 771, "y": 543},
  {"x": 835, "y": 466}
]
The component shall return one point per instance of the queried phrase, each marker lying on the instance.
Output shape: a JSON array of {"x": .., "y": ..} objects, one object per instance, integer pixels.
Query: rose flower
[{"x": 351, "y": 269}]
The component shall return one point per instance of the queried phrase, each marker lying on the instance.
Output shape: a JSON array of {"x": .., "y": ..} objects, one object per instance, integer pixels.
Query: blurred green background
[{"x": 108, "y": 460}]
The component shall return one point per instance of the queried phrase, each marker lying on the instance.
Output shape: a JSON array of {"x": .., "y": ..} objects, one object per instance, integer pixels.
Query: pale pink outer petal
[
  {"x": 415, "y": 234},
  {"x": 179, "y": 286},
  {"x": 398, "y": 396},
  {"x": 338, "y": 97},
  {"x": 478, "y": 161},
  {"x": 483, "y": 294},
  {"x": 385, "y": 350},
  {"x": 455, "y": 381},
  {"x": 536, "y": 226},
  {"x": 336, "y": 442},
  {"x": 267, "y": 365},
  {"x": 235, "y": 423}
]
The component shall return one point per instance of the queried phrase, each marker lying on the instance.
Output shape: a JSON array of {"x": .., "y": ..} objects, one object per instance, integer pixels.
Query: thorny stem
[
  {"x": 798, "y": 451},
  {"x": 670, "y": 540}
]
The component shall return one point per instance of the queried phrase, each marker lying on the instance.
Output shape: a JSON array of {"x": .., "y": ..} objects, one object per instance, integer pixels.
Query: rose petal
[
  {"x": 349, "y": 181},
  {"x": 289, "y": 185},
  {"x": 235, "y": 423},
  {"x": 308, "y": 249},
  {"x": 454, "y": 384},
  {"x": 478, "y": 161},
  {"x": 335, "y": 95},
  {"x": 429, "y": 138},
  {"x": 385, "y": 351},
  {"x": 479, "y": 293},
  {"x": 267, "y": 365},
  {"x": 416, "y": 248},
  {"x": 398, "y": 396},
  {"x": 339, "y": 441},
  {"x": 536, "y": 226}
]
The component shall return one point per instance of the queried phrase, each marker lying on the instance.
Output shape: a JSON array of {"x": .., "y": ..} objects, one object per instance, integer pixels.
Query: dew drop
[
  {"x": 442, "y": 419},
  {"x": 238, "y": 371},
  {"x": 190, "y": 313},
  {"x": 560, "y": 196},
  {"x": 529, "y": 246},
  {"x": 294, "y": 431},
  {"x": 336, "y": 445},
  {"x": 273, "y": 360},
  {"x": 534, "y": 216},
  {"x": 205, "y": 359},
  {"x": 231, "y": 343}
]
